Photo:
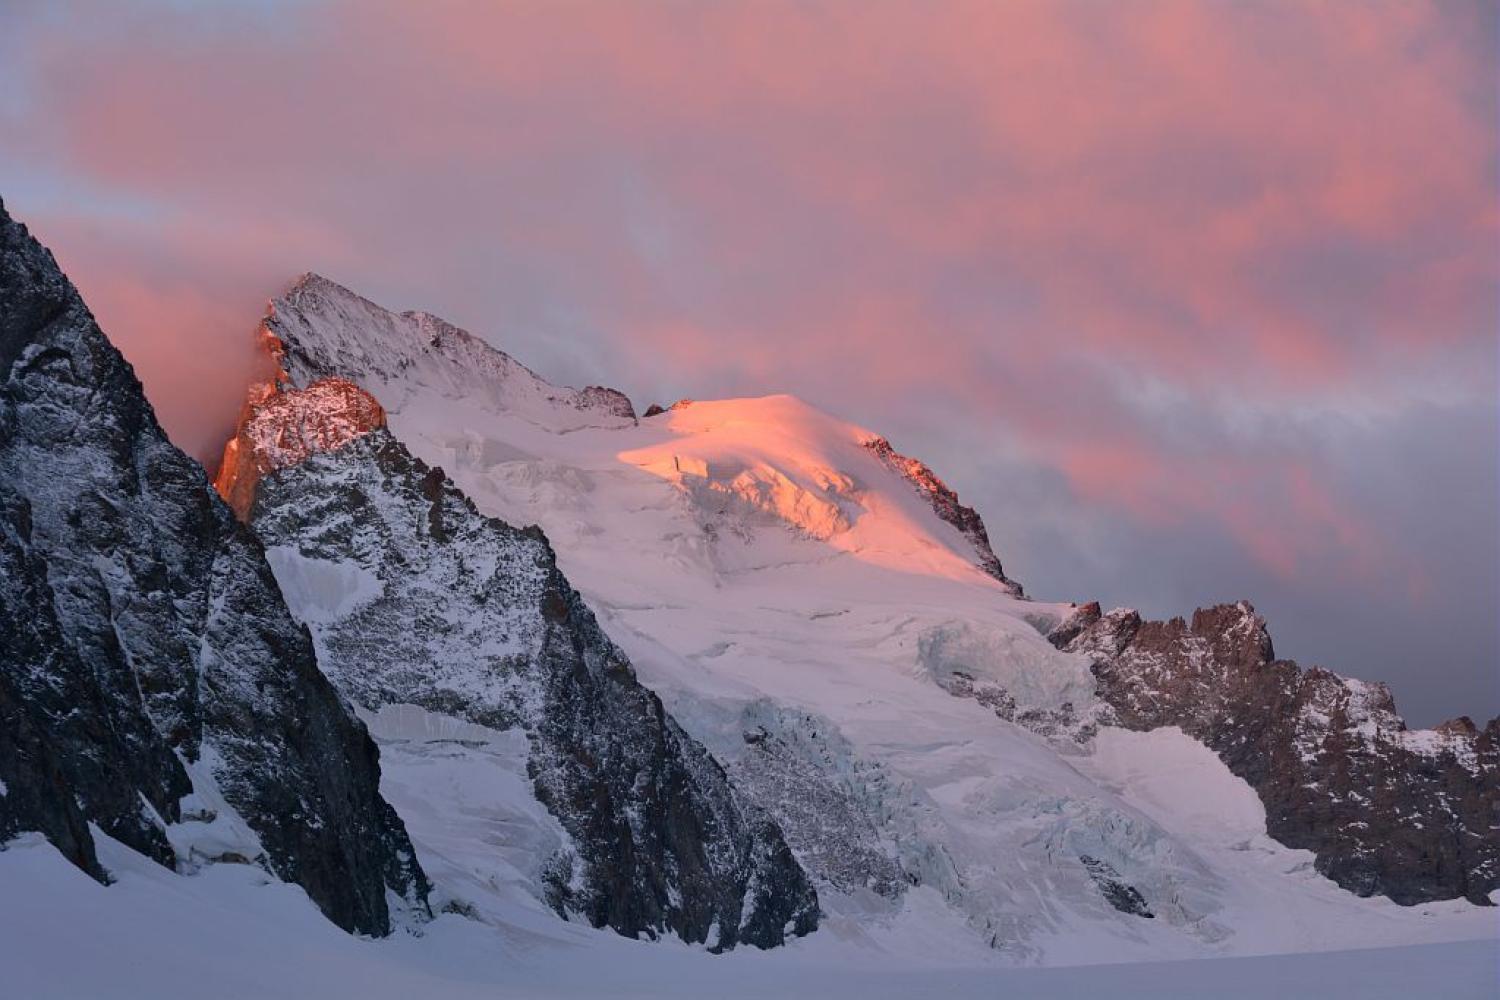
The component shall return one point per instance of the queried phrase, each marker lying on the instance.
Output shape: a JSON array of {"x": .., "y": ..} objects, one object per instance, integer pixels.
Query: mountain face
[
  {"x": 1388, "y": 811},
  {"x": 806, "y": 605},
  {"x": 793, "y": 687},
  {"x": 826, "y": 618},
  {"x": 415, "y": 598},
  {"x": 152, "y": 682}
]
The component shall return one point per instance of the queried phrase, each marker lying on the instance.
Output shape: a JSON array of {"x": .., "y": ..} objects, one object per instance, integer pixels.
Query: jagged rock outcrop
[
  {"x": 603, "y": 399},
  {"x": 416, "y": 598},
  {"x": 281, "y": 428},
  {"x": 152, "y": 681},
  {"x": 1118, "y": 893},
  {"x": 946, "y": 505},
  {"x": 1413, "y": 815}
]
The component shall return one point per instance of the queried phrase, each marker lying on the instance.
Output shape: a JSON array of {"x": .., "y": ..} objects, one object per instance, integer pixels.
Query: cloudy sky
[{"x": 1194, "y": 301}]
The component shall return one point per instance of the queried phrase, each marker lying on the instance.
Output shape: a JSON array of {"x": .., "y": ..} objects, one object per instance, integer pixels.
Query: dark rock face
[
  {"x": 152, "y": 680},
  {"x": 946, "y": 505},
  {"x": 467, "y": 616},
  {"x": 602, "y": 397},
  {"x": 1120, "y": 894},
  {"x": 1412, "y": 815}
]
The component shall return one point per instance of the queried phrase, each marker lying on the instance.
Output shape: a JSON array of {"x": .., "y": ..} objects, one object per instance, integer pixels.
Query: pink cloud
[{"x": 1008, "y": 209}]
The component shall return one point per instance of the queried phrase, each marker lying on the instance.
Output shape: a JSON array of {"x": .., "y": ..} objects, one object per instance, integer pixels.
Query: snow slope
[
  {"x": 806, "y": 613},
  {"x": 233, "y": 934}
]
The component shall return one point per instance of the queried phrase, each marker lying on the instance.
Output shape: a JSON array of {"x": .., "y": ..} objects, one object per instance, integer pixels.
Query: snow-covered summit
[
  {"x": 322, "y": 328},
  {"x": 742, "y": 464},
  {"x": 778, "y": 459}
]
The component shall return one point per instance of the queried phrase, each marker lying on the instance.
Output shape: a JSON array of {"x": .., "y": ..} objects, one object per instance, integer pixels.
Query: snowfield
[{"x": 231, "y": 933}]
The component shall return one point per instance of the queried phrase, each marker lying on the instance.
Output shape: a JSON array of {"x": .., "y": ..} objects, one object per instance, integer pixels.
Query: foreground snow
[{"x": 229, "y": 933}]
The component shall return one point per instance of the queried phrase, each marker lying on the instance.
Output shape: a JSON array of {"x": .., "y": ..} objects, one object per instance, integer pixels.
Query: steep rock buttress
[{"x": 152, "y": 681}]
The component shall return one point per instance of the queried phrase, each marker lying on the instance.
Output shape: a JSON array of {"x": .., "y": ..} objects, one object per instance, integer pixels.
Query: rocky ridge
[
  {"x": 152, "y": 682},
  {"x": 392, "y": 351},
  {"x": 1412, "y": 815},
  {"x": 946, "y": 505}
]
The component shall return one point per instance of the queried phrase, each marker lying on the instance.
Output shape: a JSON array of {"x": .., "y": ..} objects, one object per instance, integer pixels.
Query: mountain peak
[
  {"x": 321, "y": 328},
  {"x": 312, "y": 279},
  {"x": 771, "y": 455},
  {"x": 777, "y": 459}
]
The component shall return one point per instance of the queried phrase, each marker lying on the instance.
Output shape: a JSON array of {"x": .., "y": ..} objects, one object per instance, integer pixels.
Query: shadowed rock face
[
  {"x": 467, "y": 616},
  {"x": 152, "y": 681},
  {"x": 1413, "y": 815}
]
